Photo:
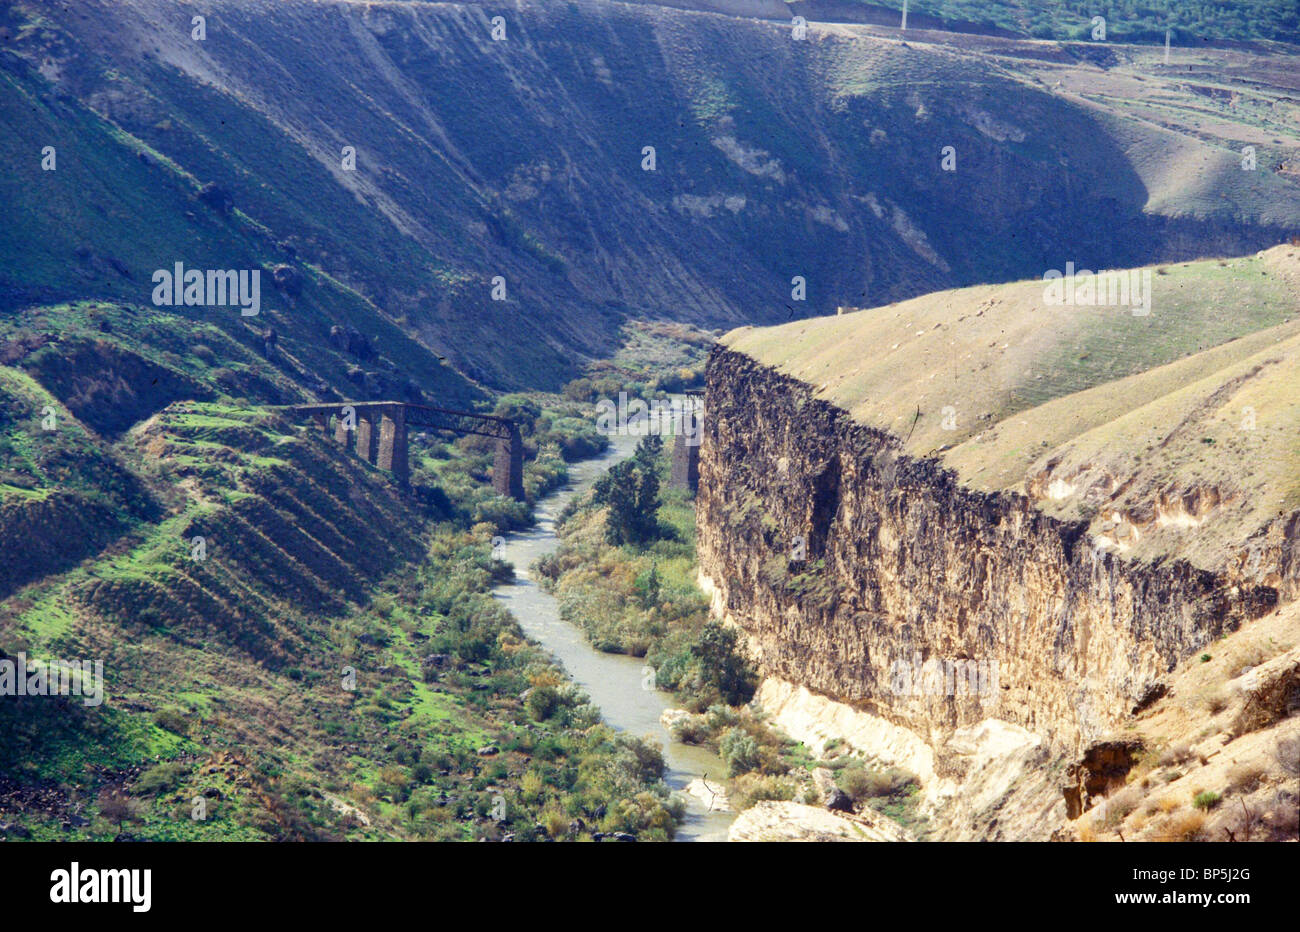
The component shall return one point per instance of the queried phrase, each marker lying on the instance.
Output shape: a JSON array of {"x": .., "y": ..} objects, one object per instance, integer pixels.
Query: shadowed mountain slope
[{"x": 523, "y": 158}]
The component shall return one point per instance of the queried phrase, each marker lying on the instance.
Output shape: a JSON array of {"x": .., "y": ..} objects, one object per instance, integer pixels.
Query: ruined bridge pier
[
  {"x": 377, "y": 432},
  {"x": 686, "y": 444}
]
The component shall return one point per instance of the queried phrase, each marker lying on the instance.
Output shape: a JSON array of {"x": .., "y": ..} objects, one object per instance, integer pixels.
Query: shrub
[
  {"x": 1206, "y": 800},
  {"x": 521, "y": 409},
  {"x": 740, "y": 752},
  {"x": 1245, "y": 777},
  {"x": 118, "y": 808},
  {"x": 690, "y": 729},
  {"x": 861, "y": 784},
  {"x": 162, "y": 778},
  {"x": 1184, "y": 826},
  {"x": 751, "y": 788},
  {"x": 1287, "y": 754},
  {"x": 203, "y": 352},
  {"x": 554, "y": 820},
  {"x": 1117, "y": 808},
  {"x": 579, "y": 390},
  {"x": 1177, "y": 754},
  {"x": 542, "y": 702},
  {"x": 173, "y": 720}
]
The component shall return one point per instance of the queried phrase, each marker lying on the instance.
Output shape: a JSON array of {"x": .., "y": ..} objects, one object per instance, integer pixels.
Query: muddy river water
[{"x": 614, "y": 681}]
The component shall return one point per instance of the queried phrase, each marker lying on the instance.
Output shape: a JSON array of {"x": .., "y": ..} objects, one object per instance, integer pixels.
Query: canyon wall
[{"x": 875, "y": 579}]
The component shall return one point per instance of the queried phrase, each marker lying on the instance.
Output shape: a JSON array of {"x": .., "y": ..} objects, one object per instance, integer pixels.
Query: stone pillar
[
  {"x": 367, "y": 433},
  {"x": 392, "y": 443},
  {"x": 686, "y": 453},
  {"x": 508, "y": 468},
  {"x": 343, "y": 436}
]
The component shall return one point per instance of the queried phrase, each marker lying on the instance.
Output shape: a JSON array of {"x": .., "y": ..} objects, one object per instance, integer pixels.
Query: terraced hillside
[
  {"x": 522, "y": 158},
  {"x": 291, "y": 646}
]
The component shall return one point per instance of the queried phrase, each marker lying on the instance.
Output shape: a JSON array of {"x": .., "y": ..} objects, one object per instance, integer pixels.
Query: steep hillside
[
  {"x": 113, "y": 211},
  {"x": 974, "y": 534},
  {"x": 1138, "y": 425},
  {"x": 1216, "y": 759},
  {"x": 1227, "y": 21},
  {"x": 522, "y": 158},
  {"x": 289, "y": 647},
  {"x": 63, "y": 493}
]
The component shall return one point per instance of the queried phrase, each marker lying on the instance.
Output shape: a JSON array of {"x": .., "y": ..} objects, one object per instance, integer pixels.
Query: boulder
[
  {"x": 1270, "y": 692},
  {"x": 216, "y": 197},
  {"x": 838, "y": 801},
  {"x": 288, "y": 279},
  {"x": 786, "y": 821}
]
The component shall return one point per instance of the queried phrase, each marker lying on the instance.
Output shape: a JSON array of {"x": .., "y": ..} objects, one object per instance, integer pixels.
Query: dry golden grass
[
  {"x": 1183, "y": 826},
  {"x": 1189, "y": 756},
  {"x": 1243, "y": 778},
  {"x": 1086, "y": 407}
]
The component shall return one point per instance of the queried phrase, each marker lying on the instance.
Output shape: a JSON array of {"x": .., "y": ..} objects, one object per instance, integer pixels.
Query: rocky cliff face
[{"x": 873, "y": 578}]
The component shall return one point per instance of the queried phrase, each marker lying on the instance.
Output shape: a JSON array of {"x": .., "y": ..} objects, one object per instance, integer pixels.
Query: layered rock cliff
[{"x": 880, "y": 583}]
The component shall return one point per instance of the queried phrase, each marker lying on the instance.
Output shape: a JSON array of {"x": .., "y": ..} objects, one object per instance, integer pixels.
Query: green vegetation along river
[{"x": 614, "y": 681}]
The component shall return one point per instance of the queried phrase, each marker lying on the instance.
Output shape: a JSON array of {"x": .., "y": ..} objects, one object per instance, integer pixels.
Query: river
[{"x": 614, "y": 681}]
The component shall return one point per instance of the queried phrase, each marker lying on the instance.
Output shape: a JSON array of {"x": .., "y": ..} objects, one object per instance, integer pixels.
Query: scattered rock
[
  {"x": 824, "y": 780},
  {"x": 216, "y": 197},
  {"x": 671, "y": 717},
  {"x": 785, "y": 821},
  {"x": 838, "y": 801},
  {"x": 351, "y": 341},
  {"x": 713, "y": 795},
  {"x": 1271, "y": 692},
  {"x": 13, "y": 830},
  {"x": 288, "y": 279}
]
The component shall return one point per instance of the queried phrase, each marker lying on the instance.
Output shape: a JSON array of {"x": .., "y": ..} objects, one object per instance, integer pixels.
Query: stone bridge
[{"x": 377, "y": 431}]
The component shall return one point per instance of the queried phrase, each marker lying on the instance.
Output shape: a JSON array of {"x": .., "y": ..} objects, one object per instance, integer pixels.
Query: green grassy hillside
[
  {"x": 63, "y": 493},
  {"x": 291, "y": 646}
]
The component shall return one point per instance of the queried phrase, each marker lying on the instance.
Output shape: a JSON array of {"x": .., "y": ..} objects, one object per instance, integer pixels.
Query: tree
[
  {"x": 521, "y": 409},
  {"x": 722, "y": 666},
  {"x": 115, "y": 806},
  {"x": 647, "y": 587},
  {"x": 740, "y": 751},
  {"x": 579, "y": 390},
  {"x": 647, "y": 454},
  {"x": 630, "y": 490}
]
